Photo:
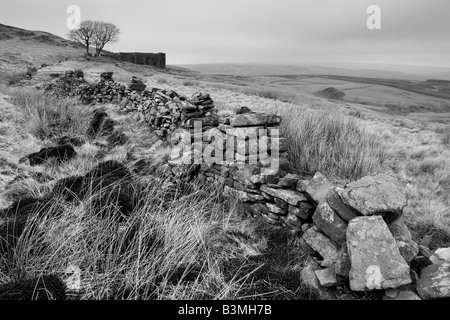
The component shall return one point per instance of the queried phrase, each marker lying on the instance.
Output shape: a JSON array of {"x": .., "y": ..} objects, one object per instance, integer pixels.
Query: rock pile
[
  {"x": 68, "y": 85},
  {"x": 106, "y": 76},
  {"x": 167, "y": 110},
  {"x": 31, "y": 71},
  {"x": 105, "y": 91}
]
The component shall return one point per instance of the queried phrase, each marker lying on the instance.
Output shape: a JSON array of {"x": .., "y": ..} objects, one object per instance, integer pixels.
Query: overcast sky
[{"x": 415, "y": 32}]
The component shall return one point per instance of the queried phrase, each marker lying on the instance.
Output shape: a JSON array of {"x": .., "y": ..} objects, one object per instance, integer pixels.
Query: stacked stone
[
  {"x": 362, "y": 241},
  {"x": 136, "y": 84},
  {"x": 356, "y": 234},
  {"x": 257, "y": 178},
  {"x": 166, "y": 111},
  {"x": 66, "y": 86},
  {"x": 106, "y": 91},
  {"x": 31, "y": 71},
  {"x": 106, "y": 76}
]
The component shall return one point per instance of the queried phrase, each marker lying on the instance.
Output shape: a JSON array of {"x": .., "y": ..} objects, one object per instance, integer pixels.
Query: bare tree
[
  {"x": 104, "y": 33},
  {"x": 84, "y": 34}
]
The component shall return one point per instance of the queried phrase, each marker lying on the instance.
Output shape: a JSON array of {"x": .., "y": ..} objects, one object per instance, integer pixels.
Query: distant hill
[
  {"x": 351, "y": 70},
  {"x": 330, "y": 93},
  {"x": 20, "y": 48}
]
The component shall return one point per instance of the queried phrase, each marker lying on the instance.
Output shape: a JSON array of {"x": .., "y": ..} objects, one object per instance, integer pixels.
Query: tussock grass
[
  {"x": 445, "y": 138},
  {"x": 274, "y": 94},
  {"x": 190, "y": 83},
  {"x": 193, "y": 247},
  {"x": 11, "y": 78},
  {"x": 330, "y": 142},
  {"x": 46, "y": 116},
  {"x": 161, "y": 80}
]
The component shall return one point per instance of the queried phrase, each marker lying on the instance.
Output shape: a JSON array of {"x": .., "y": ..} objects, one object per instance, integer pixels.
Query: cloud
[{"x": 193, "y": 31}]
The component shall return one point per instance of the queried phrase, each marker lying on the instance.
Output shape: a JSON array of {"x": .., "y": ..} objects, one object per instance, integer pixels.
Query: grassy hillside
[{"x": 21, "y": 48}]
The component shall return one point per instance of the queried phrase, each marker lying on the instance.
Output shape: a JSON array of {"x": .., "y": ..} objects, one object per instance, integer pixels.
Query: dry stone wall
[{"x": 356, "y": 233}]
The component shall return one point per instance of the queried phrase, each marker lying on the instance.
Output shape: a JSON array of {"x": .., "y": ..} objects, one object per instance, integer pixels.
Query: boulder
[
  {"x": 377, "y": 195},
  {"x": 376, "y": 262},
  {"x": 337, "y": 204},
  {"x": 317, "y": 188},
  {"x": 434, "y": 282},
  {"x": 323, "y": 245},
  {"x": 330, "y": 223}
]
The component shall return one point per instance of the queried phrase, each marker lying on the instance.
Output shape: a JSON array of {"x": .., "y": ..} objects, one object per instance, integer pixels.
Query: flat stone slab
[
  {"x": 317, "y": 188},
  {"x": 441, "y": 255},
  {"x": 337, "y": 204},
  {"x": 323, "y": 245},
  {"x": 254, "y": 119},
  {"x": 276, "y": 209},
  {"x": 289, "y": 181},
  {"x": 327, "y": 220},
  {"x": 377, "y": 195},
  {"x": 327, "y": 277},
  {"x": 290, "y": 196},
  {"x": 242, "y": 195},
  {"x": 434, "y": 282},
  {"x": 375, "y": 259}
]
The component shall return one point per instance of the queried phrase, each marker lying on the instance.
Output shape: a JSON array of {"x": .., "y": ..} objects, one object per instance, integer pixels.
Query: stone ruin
[
  {"x": 355, "y": 233},
  {"x": 157, "y": 60}
]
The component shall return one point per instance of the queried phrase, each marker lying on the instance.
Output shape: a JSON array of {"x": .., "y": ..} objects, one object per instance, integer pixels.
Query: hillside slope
[{"x": 21, "y": 48}]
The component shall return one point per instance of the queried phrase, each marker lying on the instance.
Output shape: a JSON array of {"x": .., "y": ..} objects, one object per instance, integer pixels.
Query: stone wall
[{"x": 355, "y": 233}]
